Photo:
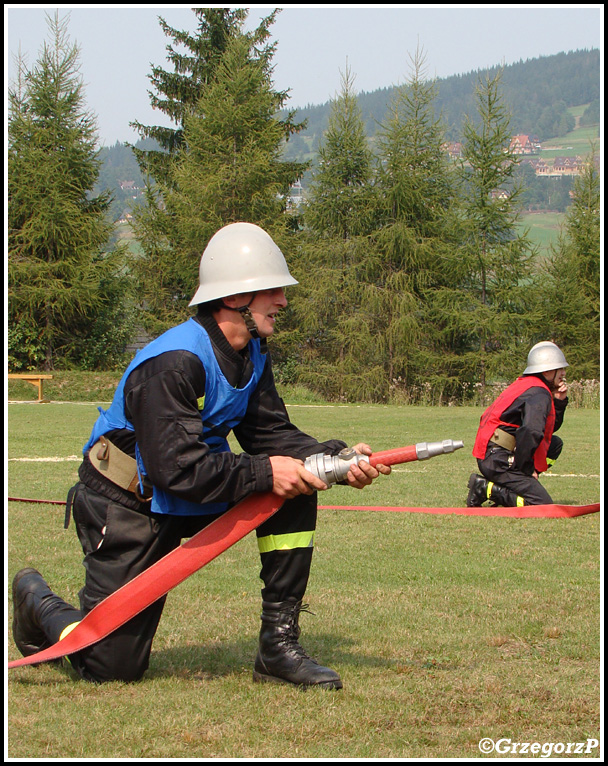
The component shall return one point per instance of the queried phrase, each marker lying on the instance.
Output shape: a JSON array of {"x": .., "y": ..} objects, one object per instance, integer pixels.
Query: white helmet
[
  {"x": 545, "y": 356},
  {"x": 240, "y": 258}
]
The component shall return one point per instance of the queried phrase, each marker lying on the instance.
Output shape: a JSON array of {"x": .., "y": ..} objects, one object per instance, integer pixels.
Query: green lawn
[
  {"x": 445, "y": 629},
  {"x": 544, "y": 229},
  {"x": 577, "y": 142}
]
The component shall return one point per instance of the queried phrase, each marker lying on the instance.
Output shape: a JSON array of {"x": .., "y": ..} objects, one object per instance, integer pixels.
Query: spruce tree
[
  {"x": 407, "y": 253},
  {"x": 62, "y": 284},
  {"x": 222, "y": 165},
  {"x": 194, "y": 58},
  {"x": 339, "y": 195},
  {"x": 570, "y": 290},
  {"x": 499, "y": 260},
  {"x": 329, "y": 318}
]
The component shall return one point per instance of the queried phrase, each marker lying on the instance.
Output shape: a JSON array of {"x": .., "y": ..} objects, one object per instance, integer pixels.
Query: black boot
[
  {"x": 280, "y": 657},
  {"x": 481, "y": 490},
  {"x": 478, "y": 491},
  {"x": 39, "y": 615}
]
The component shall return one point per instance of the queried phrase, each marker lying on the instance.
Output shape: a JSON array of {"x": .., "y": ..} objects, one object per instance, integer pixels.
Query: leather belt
[
  {"x": 118, "y": 467},
  {"x": 503, "y": 439}
]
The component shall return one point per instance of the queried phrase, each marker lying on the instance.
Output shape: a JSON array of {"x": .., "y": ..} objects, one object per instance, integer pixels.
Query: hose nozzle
[
  {"x": 333, "y": 468},
  {"x": 425, "y": 450}
]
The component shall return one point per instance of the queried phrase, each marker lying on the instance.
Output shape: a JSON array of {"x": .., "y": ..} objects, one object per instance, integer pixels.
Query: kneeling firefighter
[
  {"x": 157, "y": 468},
  {"x": 516, "y": 441}
]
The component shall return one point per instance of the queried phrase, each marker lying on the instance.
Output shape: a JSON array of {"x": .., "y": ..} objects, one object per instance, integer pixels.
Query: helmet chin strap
[
  {"x": 245, "y": 312},
  {"x": 249, "y": 321}
]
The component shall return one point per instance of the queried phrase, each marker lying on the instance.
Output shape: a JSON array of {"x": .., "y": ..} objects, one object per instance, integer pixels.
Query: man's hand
[
  {"x": 290, "y": 478},
  {"x": 363, "y": 474},
  {"x": 562, "y": 390}
]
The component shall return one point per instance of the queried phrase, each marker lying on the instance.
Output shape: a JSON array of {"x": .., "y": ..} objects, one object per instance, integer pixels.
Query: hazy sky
[{"x": 315, "y": 44}]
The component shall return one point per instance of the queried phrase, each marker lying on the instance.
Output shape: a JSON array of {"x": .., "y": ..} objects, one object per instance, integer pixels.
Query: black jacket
[
  {"x": 530, "y": 412},
  {"x": 161, "y": 401}
]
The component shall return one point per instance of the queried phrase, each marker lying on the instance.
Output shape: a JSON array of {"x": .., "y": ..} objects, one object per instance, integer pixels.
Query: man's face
[
  {"x": 555, "y": 378},
  {"x": 264, "y": 308}
]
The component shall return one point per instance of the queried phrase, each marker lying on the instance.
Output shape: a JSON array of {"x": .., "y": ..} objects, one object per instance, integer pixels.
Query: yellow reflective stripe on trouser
[
  {"x": 68, "y": 629},
  {"x": 520, "y": 500},
  {"x": 286, "y": 542}
]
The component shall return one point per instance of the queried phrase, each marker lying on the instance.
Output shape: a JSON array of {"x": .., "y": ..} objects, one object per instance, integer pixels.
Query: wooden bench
[{"x": 34, "y": 379}]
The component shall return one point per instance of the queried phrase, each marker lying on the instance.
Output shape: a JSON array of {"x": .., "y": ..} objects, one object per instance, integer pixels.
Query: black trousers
[
  {"x": 496, "y": 467},
  {"x": 120, "y": 543}
]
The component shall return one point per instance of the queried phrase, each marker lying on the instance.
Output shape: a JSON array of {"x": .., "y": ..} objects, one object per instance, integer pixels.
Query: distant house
[
  {"x": 453, "y": 149},
  {"x": 533, "y": 162},
  {"x": 542, "y": 168},
  {"x": 296, "y": 195},
  {"x": 561, "y": 166},
  {"x": 523, "y": 145},
  {"x": 567, "y": 166}
]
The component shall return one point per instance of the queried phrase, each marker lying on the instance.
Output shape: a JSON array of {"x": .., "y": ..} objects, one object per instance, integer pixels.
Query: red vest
[{"x": 491, "y": 420}]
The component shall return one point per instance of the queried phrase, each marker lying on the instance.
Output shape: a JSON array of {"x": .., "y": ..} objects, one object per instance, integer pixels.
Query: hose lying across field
[
  {"x": 554, "y": 511},
  {"x": 143, "y": 590}
]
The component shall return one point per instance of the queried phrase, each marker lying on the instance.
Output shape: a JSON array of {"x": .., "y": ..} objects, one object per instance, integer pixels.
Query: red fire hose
[
  {"x": 143, "y": 590},
  {"x": 133, "y": 597}
]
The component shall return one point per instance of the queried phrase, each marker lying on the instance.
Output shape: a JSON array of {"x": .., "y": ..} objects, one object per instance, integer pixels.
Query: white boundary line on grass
[
  {"x": 34, "y": 401},
  {"x": 77, "y": 458},
  {"x": 68, "y": 459}
]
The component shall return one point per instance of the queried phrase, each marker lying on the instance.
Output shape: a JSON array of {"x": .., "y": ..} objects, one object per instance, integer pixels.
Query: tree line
[
  {"x": 537, "y": 93},
  {"x": 413, "y": 273}
]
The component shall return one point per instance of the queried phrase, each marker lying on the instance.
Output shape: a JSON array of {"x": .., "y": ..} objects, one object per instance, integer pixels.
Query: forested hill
[{"x": 537, "y": 92}]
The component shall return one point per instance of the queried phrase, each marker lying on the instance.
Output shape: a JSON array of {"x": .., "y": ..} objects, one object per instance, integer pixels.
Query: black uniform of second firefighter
[
  {"x": 167, "y": 430},
  {"x": 516, "y": 439}
]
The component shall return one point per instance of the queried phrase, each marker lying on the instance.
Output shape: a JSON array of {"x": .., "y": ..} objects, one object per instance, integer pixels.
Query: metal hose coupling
[
  {"x": 425, "y": 450},
  {"x": 333, "y": 468}
]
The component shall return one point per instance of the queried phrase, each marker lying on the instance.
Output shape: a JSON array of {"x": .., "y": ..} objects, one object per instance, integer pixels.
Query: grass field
[
  {"x": 577, "y": 142},
  {"x": 445, "y": 629},
  {"x": 544, "y": 229}
]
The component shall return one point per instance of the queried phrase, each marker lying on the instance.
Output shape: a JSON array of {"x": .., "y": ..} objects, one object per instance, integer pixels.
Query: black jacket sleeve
[
  {"x": 161, "y": 401},
  {"x": 530, "y": 412},
  {"x": 560, "y": 410},
  {"x": 267, "y": 428}
]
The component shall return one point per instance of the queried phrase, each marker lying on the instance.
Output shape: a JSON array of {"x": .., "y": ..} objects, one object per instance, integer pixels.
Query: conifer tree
[
  {"x": 570, "y": 290},
  {"x": 407, "y": 255},
  {"x": 194, "y": 58},
  {"x": 223, "y": 164},
  {"x": 499, "y": 259},
  {"x": 327, "y": 307},
  {"x": 62, "y": 285},
  {"x": 339, "y": 194}
]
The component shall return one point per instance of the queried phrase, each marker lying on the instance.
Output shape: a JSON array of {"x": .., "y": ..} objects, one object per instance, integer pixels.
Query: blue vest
[{"x": 221, "y": 408}]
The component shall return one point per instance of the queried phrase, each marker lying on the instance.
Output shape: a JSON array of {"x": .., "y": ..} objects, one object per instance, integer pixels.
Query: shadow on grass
[
  {"x": 222, "y": 659},
  {"x": 225, "y": 658}
]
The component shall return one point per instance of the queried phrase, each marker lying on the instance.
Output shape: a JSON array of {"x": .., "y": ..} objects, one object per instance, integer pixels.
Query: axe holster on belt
[
  {"x": 503, "y": 439},
  {"x": 116, "y": 466}
]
